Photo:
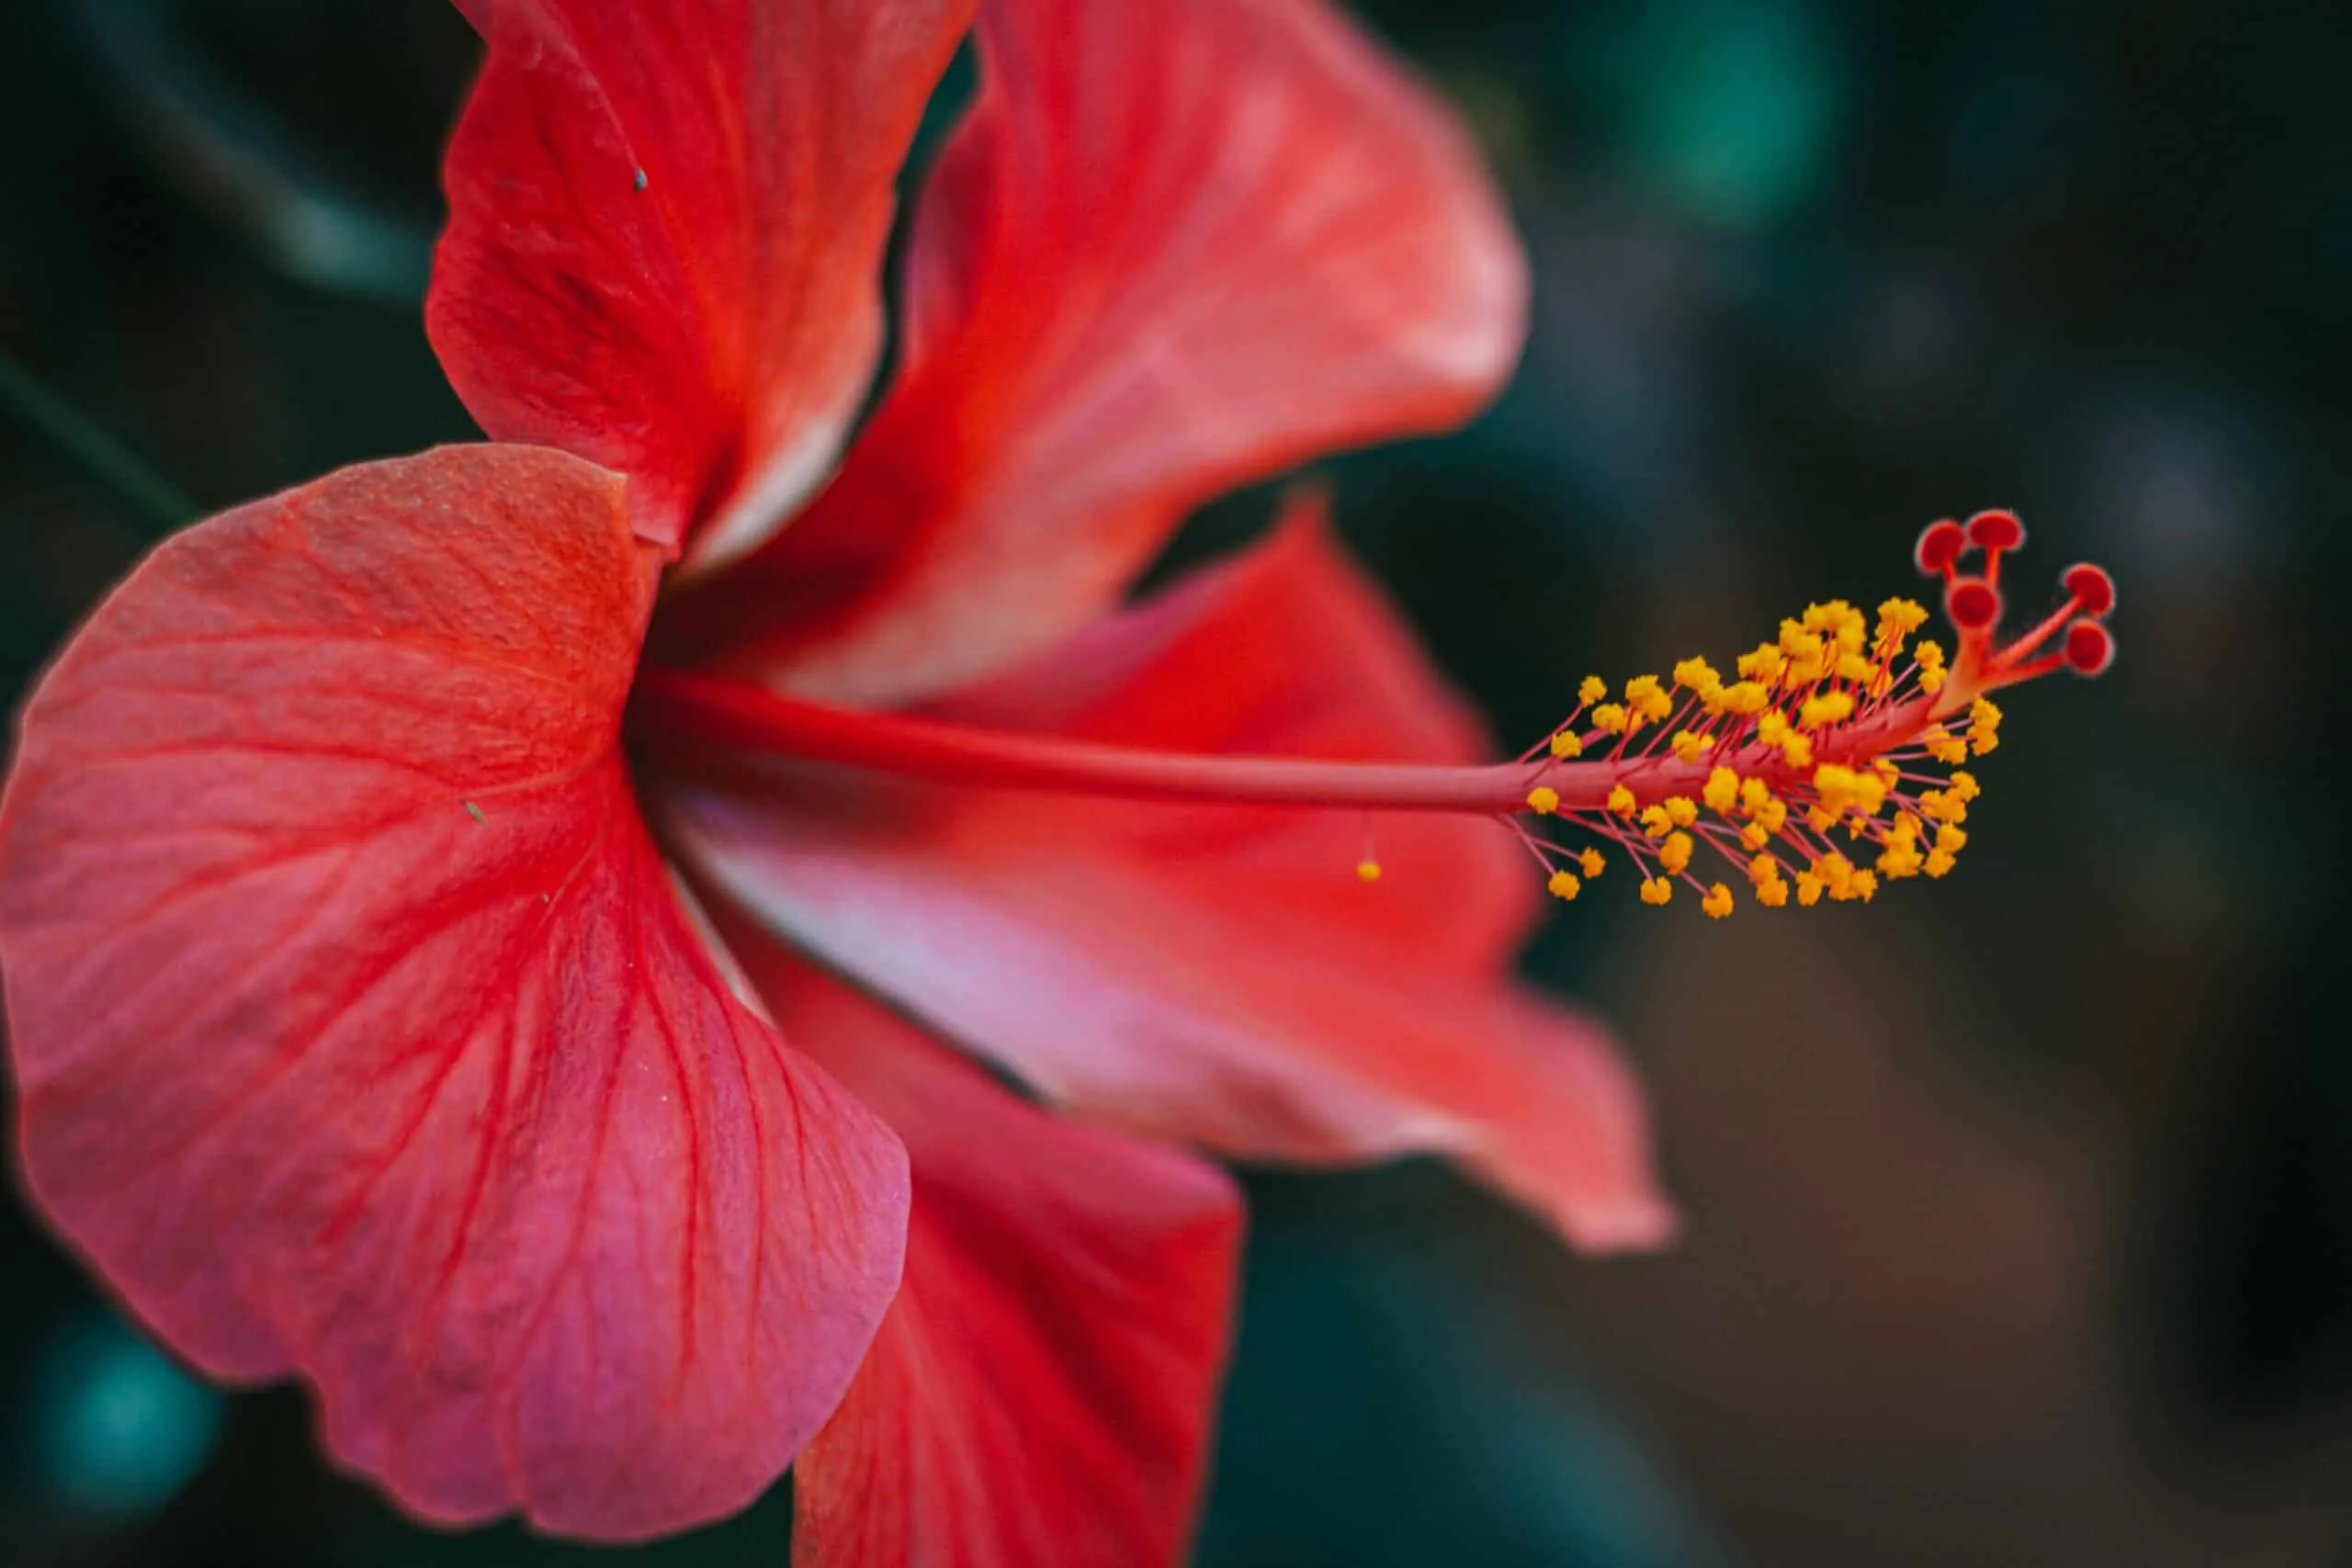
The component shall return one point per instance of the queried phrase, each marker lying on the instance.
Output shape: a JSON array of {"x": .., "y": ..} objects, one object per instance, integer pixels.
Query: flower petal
[
  {"x": 1216, "y": 974},
  {"x": 1044, "y": 1387},
  {"x": 361, "y": 1032},
  {"x": 665, "y": 235},
  {"x": 1175, "y": 247}
]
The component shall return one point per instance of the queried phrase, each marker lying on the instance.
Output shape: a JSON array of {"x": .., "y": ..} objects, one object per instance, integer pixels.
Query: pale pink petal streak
[{"x": 1208, "y": 974}]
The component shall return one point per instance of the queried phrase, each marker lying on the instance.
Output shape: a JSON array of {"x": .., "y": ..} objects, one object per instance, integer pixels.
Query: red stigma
[
  {"x": 1974, "y": 605},
  {"x": 2091, "y": 588},
  {"x": 1992, "y": 531},
  {"x": 1939, "y": 545},
  {"x": 2071, "y": 636},
  {"x": 2090, "y": 647}
]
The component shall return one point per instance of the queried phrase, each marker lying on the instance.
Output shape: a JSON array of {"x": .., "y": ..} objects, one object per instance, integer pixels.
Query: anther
[{"x": 1825, "y": 735}]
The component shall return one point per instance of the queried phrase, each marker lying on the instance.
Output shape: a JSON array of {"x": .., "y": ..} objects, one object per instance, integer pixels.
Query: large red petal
[
  {"x": 1211, "y": 974},
  {"x": 1044, "y": 1387},
  {"x": 361, "y": 1031},
  {"x": 666, "y": 234},
  {"x": 1174, "y": 247}
]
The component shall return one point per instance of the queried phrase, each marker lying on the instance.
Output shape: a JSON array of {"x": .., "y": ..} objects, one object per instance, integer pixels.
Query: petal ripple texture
[
  {"x": 665, "y": 239},
  {"x": 361, "y": 1033},
  {"x": 1174, "y": 248},
  {"x": 1044, "y": 1387}
]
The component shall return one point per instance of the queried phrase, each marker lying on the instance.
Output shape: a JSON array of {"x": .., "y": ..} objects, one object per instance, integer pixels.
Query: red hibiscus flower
[{"x": 502, "y": 934}]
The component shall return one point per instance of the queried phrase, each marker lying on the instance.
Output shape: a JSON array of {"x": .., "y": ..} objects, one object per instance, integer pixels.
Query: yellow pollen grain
[
  {"x": 1681, "y": 810},
  {"x": 1592, "y": 690},
  {"x": 1591, "y": 862},
  {"x": 1939, "y": 861},
  {"x": 1984, "y": 725},
  {"x": 1720, "y": 790},
  {"x": 1543, "y": 800},
  {"x": 1564, "y": 884},
  {"x": 1747, "y": 697},
  {"x": 1610, "y": 718},
  {"x": 1773, "y": 895},
  {"x": 1367, "y": 871},
  {"x": 1717, "y": 903},
  {"x": 1687, "y": 744},
  {"x": 1836, "y": 873},
  {"x": 1798, "y": 748},
  {"x": 1657, "y": 890},
  {"x": 1621, "y": 801},
  {"x": 1836, "y": 785},
  {"x": 1819, "y": 713},
  {"x": 1565, "y": 744},
  {"x": 1808, "y": 889},
  {"x": 1675, "y": 854},
  {"x": 1697, "y": 675},
  {"x": 1898, "y": 618},
  {"x": 1656, "y": 822}
]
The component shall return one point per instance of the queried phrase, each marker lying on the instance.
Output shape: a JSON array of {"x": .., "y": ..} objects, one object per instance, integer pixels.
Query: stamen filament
[
  {"x": 678, "y": 709},
  {"x": 1814, "y": 736}
]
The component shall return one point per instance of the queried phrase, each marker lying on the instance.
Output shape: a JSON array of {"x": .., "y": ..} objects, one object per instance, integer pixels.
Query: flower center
[{"x": 1841, "y": 722}]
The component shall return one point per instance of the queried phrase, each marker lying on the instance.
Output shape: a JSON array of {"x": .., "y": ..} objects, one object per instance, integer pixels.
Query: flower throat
[{"x": 1844, "y": 722}]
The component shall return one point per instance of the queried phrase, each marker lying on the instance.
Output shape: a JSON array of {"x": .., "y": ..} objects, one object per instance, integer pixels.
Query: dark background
[{"x": 2021, "y": 1204}]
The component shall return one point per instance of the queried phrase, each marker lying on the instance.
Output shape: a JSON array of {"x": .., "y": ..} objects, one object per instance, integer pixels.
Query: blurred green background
[{"x": 2020, "y": 1206}]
